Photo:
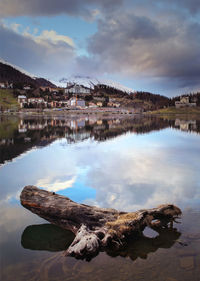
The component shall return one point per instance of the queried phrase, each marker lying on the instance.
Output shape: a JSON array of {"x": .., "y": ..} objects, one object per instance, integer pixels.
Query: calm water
[{"x": 123, "y": 163}]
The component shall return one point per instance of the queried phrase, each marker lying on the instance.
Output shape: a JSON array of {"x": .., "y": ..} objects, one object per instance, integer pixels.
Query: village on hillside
[
  {"x": 100, "y": 97},
  {"x": 73, "y": 96}
]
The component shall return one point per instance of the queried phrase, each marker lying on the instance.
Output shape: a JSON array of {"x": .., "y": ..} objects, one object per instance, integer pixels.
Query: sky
[{"x": 146, "y": 45}]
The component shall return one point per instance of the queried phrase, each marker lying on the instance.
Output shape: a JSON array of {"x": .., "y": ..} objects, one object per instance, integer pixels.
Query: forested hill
[
  {"x": 9, "y": 74},
  {"x": 154, "y": 100}
]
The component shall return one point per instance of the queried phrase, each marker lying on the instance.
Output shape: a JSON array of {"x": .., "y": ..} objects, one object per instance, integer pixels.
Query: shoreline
[
  {"x": 103, "y": 112},
  {"x": 71, "y": 112}
]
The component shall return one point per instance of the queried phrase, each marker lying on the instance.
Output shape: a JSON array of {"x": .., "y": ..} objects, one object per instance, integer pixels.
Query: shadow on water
[
  {"x": 144, "y": 246},
  {"x": 49, "y": 237}
]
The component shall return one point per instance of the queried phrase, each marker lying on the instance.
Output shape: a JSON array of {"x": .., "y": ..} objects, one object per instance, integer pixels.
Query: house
[
  {"x": 74, "y": 102},
  {"x": 22, "y": 100},
  {"x": 114, "y": 104},
  {"x": 92, "y": 105},
  {"x": 49, "y": 89},
  {"x": 6, "y": 85},
  {"x": 53, "y": 104},
  {"x": 37, "y": 102},
  {"x": 99, "y": 122},
  {"x": 27, "y": 87},
  {"x": 77, "y": 89},
  {"x": 99, "y": 104},
  {"x": 63, "y": 103},
  {"x": 2, "y": 85},
  {"x": 80, "y": 103},
  {"x": 184, "y": 102}
]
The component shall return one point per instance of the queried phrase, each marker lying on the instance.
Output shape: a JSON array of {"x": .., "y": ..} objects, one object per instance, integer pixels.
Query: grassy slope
[
  {"x": 7, "y": 100},
  {"x": 173, "y": 110}
]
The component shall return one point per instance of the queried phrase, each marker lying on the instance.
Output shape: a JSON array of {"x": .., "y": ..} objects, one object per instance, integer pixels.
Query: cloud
[
  {"x": 147, "y": 40},
  {"x": 90, "y": 8},
  {"x": 144, "y": 47},
  {"x": 56, "y": 183},
  {"x": 192, "y": 6},
  {"x": 47, "y": 54},
  {"x": 85, "y": 8},
  {"x": 52, "y": 36}
]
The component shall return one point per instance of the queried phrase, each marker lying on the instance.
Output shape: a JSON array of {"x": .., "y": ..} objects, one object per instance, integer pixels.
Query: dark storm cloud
[
  {"x": 51, "y": 7},
  {"x": 85, "y": 7},
  {"x": 191, "y": 5},
  {"x": 145, "y": 47},
  {"x": 38, "y": 55}
]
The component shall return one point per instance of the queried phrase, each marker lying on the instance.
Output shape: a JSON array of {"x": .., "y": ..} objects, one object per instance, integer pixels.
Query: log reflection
[
  {"x": 144, "y": 246},
  {"x": 49, "y": 237},
  {"x": 46, "y": 237}
]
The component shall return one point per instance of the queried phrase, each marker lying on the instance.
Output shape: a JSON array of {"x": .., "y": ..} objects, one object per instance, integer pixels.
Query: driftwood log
[{"x": 95, "y": 228}]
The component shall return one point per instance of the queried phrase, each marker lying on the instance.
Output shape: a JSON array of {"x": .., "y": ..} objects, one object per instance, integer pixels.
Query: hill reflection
[{"x": 19, "y": 135}]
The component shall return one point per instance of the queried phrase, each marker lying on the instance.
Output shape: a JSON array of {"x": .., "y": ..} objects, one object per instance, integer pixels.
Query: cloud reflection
[
  {"x": 56, "y": 184},
  {"x": 129, "y": 172}
]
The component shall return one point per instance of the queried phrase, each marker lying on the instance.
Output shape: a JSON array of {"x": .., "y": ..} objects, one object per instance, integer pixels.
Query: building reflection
[
  {"x": 20, "y": 135},
  {"x": 186, "y": 125}
]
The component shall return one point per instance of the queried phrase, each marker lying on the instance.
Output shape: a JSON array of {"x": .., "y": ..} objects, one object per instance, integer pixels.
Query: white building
[
  {"x": 2, "y": 85},
  {"x": 77, "y": 89},
  {"x": 184, "y": 102},
  {"x": 36, "y": 100},
  {"x": 22, "y": 100},
  {"x": 74, "y": 102},
  {"x": 92, "y": 105},
  {"x": 28, "y": 87}
]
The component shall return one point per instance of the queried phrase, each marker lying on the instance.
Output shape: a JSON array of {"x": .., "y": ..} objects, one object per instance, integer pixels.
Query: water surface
[{"x": 120, "y": 162}]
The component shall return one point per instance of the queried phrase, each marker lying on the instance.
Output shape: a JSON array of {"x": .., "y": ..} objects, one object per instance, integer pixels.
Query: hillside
[
  {"x": 174, "y": 110},
  {"x": 150, "y": 101},
  {"x": 15, "y": 75},
  {"x": 109, "y": 93}
]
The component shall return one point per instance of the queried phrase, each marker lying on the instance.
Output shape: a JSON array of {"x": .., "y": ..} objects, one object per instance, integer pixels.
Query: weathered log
[{"x": 94, "y": 228}]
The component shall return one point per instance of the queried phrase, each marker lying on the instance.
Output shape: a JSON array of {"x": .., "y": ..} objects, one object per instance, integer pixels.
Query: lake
[{"x": 122, "y": 162}]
